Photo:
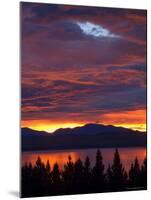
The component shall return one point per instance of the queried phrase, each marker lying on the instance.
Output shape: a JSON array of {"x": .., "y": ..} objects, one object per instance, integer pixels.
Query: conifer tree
[
  {"x": 56, "y": 179},
  {"x": 144, "y": 174},
  {"x": 78, "y": 176},
  {"x": 98, "y": 176},
  {"x": 135, "y": 174},
  {"x": 67, "y": 174},
  {"x": 117, "y": 173},
  {"x": 87, "y": 170},
  {"x": 39, "y": 178}
]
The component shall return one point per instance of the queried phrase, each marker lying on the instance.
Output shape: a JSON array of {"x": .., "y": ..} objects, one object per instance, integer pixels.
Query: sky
[{"x": 82, "y": 65}]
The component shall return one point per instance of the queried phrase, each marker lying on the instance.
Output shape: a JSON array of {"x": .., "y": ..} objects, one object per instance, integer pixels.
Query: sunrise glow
[{"x": 47, "y": 126}]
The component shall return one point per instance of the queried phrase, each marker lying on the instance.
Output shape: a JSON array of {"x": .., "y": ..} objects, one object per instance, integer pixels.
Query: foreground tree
[
  {"x": 135, "y": 174},
  {"x": 40, "y": 178},
  {"x": 26, "y": 179},
  {"x": 116, "y": 174},
  {"x": 87, "y": 174},
  {"x": 79, "y": 177},
  {"x": 144, "y": 174},
  {"x": 98, "y": 176},
  {"x": 67, "y": 175},
  {"x": 56, "y": 179}
]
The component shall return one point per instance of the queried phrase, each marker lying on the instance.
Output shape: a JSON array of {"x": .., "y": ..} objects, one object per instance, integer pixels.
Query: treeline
[{"x": 79, "y": 177}]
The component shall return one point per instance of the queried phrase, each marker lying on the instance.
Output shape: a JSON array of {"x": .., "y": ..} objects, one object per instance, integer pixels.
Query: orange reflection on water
[
  {"x": 127, "y": 156},
  {"x": 60, "y": 157}
]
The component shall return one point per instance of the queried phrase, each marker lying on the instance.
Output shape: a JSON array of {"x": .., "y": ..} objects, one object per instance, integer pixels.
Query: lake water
[{"x": 127, "y": 155}]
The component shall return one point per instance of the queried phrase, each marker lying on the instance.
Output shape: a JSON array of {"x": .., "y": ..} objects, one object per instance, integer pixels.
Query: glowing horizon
[
  {"x": 124, "y": 119},
  {"x": 51, "y": 128}
]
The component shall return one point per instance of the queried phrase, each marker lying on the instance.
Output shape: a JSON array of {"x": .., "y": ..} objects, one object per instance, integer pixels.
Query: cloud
[
  {"x": 95, "y": 30},
  {"x": 82, "y": 63},
  {"x": 81, "y": 99},
  {"x": 123, "y": 22}
]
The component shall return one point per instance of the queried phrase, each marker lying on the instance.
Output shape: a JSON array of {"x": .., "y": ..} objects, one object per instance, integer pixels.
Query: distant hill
[
  {"x": 87, "y": 136},
  {"x": 27, "y": 132}
]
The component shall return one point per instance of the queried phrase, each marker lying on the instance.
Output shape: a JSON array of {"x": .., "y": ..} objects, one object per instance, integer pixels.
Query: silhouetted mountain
[
  {"x": 27, "y": 132},
  {"x": 93, "y": 129},
  {"x": 87, "y": 136}
]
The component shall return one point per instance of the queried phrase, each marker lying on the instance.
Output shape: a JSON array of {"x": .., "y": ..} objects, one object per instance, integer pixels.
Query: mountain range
[{"x": 87, "y": 136}]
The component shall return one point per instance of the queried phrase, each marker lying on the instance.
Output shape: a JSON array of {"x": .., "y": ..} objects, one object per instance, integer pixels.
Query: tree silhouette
[
  {"x": 109, "y": 176},
  {"x": 56, "y": 179},
  {"x": 67, "y": 174},
  {"x": 48, "y": 176},
  {"x": 48, "y": 167},
  {"x": 87, "y": 173},
  {"x": 56, "y": 174},
  {"x": 98, "y": 176},
  {"x": 76, "y": 178},
  {"x": 144, "y": 174},
  {"x": 39, "y": 178},
  {"x": 135, "y": 174},
  {"x": 26, "y": 174},
  {"x": 117, "y": 175}
]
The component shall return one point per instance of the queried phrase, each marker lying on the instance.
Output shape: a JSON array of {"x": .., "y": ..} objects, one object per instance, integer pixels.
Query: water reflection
[{"x": 61, "y": 156}]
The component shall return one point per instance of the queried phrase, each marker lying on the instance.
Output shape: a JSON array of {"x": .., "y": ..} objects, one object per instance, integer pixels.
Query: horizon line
[{"x": 51, "y": 132}]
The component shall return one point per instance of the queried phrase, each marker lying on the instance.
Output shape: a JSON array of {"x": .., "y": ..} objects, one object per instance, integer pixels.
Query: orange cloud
[
  {"x": 45, "y": 125},
  {"x": 135, "y": 120},
  {"x": 130, "y": 119}
]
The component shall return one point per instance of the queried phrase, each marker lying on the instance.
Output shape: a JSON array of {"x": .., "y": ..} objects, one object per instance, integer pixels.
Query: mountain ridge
[
  {"x": 90, "y": 125},
  {"x": 87, "y": 136}
]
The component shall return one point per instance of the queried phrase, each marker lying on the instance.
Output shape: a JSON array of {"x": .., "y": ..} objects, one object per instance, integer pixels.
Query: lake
[{"x": 127, "y": 155}]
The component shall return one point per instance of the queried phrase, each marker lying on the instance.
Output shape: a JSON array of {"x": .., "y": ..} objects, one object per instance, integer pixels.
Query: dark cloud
[
  {"x": 141, "y": 67},
  {"x": 129, "y": 23},
  {"x": 69, "y": 97}
]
